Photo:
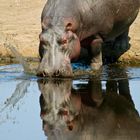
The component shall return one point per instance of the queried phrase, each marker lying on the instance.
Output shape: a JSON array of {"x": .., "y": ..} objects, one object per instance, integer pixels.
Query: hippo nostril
[
  {"x": 56, "y": 73},
  {"x": 44, "y": 73},
  {"x": 62, "y": 41}
]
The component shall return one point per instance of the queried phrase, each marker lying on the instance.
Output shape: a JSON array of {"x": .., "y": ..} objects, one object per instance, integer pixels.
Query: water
[{"x": 102, "y": 106}]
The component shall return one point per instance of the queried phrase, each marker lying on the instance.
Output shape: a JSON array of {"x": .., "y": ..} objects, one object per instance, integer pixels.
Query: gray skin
[{"x": 74, "y": 29}]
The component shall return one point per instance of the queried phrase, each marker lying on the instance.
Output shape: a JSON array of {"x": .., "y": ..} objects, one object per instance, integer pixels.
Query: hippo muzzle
[{"x": 57, "y": 48}]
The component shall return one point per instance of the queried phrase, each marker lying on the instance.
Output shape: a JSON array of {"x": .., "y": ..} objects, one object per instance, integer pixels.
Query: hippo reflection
[{"x": 87, "y": 111}]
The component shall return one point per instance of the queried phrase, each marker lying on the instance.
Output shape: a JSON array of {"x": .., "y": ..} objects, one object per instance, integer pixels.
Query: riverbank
[{"x": 20, "y": 25}]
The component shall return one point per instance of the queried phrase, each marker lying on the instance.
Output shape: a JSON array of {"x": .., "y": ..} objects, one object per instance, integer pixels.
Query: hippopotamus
[{"x": 73, "y": 29}]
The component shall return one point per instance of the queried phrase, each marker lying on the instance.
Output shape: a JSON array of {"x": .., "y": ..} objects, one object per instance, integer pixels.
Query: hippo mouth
[
  {"x": 60, "y": 73},
  {"x": 60, "y": 67}
]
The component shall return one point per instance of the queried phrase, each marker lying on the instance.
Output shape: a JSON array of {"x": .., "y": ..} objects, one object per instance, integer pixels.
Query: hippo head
[
  {"x": 59, "y": 107},
  {"x": 57, "y": 48}
]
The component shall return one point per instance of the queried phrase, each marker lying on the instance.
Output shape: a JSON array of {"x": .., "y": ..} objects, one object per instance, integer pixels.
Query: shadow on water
[{"x": 97, "y": 107}]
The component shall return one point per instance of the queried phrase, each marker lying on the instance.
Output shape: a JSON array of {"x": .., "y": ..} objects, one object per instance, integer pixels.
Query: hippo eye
[{"x": 62, "y": 41}]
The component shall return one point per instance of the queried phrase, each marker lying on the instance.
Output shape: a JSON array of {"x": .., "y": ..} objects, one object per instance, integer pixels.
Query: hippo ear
[
  {"x": 45, "y": 23},
  {"x": 44, "y": 26},
  {"x": 69, "y": 26}
]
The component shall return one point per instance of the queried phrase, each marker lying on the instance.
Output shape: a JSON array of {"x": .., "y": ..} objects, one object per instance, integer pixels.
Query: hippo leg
[
  {"x": 113, "y": 49},
  {"x": 96, "y": 51},
  {"x": 122, "y": 43}
]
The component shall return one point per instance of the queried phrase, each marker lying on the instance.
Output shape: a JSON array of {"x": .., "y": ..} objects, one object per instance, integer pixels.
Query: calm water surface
[{"x": 100, "y": 107}]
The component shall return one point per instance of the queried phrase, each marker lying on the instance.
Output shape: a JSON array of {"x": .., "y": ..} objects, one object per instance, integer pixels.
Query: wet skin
[{"x": 72, "y": 30}]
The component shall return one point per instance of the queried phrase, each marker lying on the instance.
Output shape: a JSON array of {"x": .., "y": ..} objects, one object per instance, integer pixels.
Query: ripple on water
[
  {"x": 14, "y": 72},
  {"x": 115, "y": 72},
  {"x": 18, "y": 71}
]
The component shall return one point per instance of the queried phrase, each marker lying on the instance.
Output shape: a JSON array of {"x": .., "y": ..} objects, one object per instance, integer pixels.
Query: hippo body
[{"x": 73, "y": 29}]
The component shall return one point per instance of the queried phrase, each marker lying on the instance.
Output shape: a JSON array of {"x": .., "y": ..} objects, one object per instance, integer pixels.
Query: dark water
[{"x": 100, "y": 107}]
